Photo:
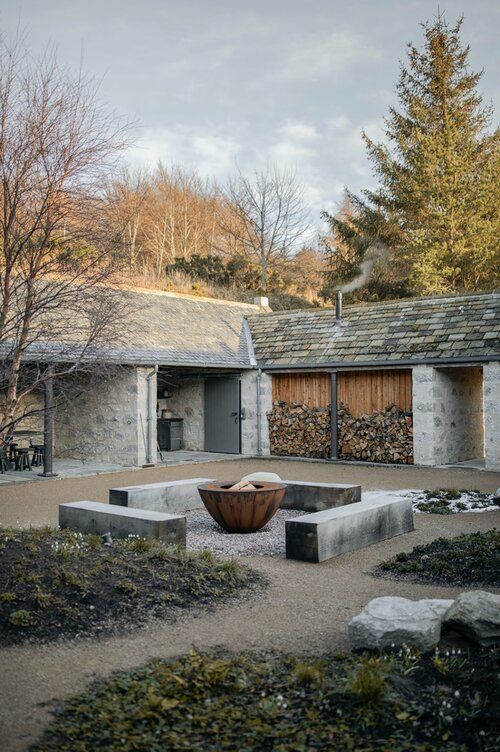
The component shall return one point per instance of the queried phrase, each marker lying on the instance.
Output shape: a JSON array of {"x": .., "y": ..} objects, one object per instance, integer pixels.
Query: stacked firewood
[
  {"x": 296, "y": 430},
  {"x": 385, "y": 436}
]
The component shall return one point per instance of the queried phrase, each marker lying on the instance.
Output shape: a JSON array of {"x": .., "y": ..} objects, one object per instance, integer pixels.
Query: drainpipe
[
  {"x": 334, "y": 429},
  {"x": 149, "y": 420},
  {"x": 259, "y": 396}
]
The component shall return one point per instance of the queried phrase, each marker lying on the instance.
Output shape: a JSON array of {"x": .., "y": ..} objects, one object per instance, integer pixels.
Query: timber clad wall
[
  {"x": 362, "y": 392},
  {"x": 311, "y": 389}
]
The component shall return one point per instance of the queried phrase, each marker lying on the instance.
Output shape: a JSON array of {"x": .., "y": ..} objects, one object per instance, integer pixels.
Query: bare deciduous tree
[
  {"x": 269, "y": 218},
  {"x": 57, "y": 148},
  {"x": 127, "y": 198}
]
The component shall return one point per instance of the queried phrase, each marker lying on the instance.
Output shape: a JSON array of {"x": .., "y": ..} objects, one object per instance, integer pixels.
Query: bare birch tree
[
  {"x": 57, "y": 147},
  {"x": 269, "y": 217},
  {"x": 127, "y": 199}
]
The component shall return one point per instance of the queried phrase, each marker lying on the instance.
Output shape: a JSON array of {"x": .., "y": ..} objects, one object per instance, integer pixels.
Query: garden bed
[
  {"x": 259, "y": 702},
  {"x": 57, "y": 583},
  {"x": 452, "y": 501},
  {"x": 471, "y": 559}
]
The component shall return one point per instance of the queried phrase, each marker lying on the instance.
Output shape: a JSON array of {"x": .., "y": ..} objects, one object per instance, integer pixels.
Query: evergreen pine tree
[{"x": 436, "y": 207}]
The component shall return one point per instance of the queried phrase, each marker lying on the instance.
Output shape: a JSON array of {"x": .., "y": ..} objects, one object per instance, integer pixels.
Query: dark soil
[
  {"x": 472, "y": 559},
  {"x": 56, "y": 583},
  {"x": 269, "y": 702}
]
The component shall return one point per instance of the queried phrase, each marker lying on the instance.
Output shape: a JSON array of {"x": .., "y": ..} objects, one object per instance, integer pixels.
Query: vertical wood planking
[{"x": 361, "y": 391}]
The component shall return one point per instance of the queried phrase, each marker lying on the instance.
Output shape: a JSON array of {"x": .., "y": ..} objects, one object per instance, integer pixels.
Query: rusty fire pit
[{"x": 242, "y": 511}]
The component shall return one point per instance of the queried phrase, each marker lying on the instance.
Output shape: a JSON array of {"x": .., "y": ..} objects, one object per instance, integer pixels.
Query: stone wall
[
  {"x": 187, "y": 401},
  {"x": 33, "y": 406},
  {"x": 108, "y": 422},
  {"x": 491, "y": 386},
  {"x": 448, "y": 414}
]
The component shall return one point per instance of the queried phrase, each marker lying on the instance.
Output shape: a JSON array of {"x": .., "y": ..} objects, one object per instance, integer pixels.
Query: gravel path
[{"x": 204, "y": 532}]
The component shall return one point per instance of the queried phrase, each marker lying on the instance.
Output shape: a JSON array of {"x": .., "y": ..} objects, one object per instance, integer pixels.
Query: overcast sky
[{"x": 214, "y": 82}]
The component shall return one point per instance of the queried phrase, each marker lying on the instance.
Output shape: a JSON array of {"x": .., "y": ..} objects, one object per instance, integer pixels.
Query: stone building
[
  {"x": 210, "y": 370},
  {"x": 437, "y": 358}
]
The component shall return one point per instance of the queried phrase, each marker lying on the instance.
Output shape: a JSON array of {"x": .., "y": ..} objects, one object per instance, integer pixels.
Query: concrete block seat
[
  {"x": 95, "y": 517},
  {"x": 322, "y": 535},
  {"x": 171, "y": 497},
  {"x": 316, "y": 497},
  {"x": 311, "y": 497}
]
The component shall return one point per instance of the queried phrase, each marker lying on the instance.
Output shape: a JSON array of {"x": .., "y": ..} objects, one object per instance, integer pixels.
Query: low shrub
[
  {"x": 469, "y": 559},
  {"x": 58, "y": 582},
  {"x": 268, "y": 702}
]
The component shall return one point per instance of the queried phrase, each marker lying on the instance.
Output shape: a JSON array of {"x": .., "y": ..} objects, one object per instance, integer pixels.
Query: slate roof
[
  {"x": 183, "y": 331},
  {"x": 462, "y": 328},
  {"x": 173, "y": 330}
]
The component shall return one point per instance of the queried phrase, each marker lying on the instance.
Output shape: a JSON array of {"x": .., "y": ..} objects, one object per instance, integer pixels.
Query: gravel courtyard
[
  {"x": 304, "y": 609},
  {"x": 25, "y": 504}
]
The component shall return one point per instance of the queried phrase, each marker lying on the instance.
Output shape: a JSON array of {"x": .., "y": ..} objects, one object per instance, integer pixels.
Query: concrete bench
[
  {"x": 315, "y": 497},
  {"x": 95, "y": 517},
  {"x": 173, "y": 496},
  {"x": 322, "y": 535}
]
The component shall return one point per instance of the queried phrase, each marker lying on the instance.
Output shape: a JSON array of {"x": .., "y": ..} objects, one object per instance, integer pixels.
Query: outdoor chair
[
  {"x": 22, "y": 459},
  {"x": 38, "y": 452},
  {"x": 12, "y": 451}
]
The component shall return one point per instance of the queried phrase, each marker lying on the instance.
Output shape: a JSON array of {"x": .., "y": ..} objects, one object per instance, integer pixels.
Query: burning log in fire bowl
[{"x": 242, "y": 507}]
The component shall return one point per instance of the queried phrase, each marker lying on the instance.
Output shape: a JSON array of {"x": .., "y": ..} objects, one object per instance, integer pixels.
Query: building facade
[{"x": 420, "y": 374}]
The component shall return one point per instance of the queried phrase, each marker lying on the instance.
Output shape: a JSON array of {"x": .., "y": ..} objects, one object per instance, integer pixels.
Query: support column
[
  {"x": 423, "y": 415},
  {"x": 48, "y": 426},
  {"x": 334, "y": 426},
  {"x": 491, "y": 397},
  {"x": 256, "y": 401}
]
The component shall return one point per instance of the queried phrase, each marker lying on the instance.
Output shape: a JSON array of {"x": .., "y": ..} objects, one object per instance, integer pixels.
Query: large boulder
[
  {"x": 389, "y": 621},
  {"x": 477, "y": 616},
  {"x": 266, "y": 477}
]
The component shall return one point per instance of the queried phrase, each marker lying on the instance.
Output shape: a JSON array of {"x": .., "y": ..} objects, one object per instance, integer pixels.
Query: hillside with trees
[{"x": 431, "y": 225}]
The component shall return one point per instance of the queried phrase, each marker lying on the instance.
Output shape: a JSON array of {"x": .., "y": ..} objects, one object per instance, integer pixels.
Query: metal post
[
  {"x": 48, "y": 426},
  {"x": 150, "y": 439},
  {"x": 259, "y": 414},
  {"x": 334, "y": 418}
]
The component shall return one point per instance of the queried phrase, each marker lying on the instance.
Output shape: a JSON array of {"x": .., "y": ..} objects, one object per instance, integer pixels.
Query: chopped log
[
  {"x": 242, "y": 485},
  {"x": 300, "y": 431}
]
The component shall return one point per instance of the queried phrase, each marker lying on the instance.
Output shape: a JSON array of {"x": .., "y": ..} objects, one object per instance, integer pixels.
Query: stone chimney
[{"x": 263, "y": 302}]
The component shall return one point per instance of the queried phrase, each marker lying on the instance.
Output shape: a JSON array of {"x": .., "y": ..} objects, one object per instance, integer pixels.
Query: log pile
[
  {"x": 296, "y": 430},
  {"x": 385, "y": 436}
]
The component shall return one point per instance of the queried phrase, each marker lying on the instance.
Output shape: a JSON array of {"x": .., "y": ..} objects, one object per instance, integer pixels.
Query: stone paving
[{"x": 72, "y": 468}]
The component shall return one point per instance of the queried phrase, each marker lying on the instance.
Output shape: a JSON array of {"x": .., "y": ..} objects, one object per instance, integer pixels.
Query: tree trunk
[{"x": 263, "y": 277}]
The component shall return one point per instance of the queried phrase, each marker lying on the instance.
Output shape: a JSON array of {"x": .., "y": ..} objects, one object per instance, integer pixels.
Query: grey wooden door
[{"x": 222, "y": 414}]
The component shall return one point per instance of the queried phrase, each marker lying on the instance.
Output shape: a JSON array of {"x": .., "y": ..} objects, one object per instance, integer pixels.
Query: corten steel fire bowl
[{"x": 242, "y": 511}]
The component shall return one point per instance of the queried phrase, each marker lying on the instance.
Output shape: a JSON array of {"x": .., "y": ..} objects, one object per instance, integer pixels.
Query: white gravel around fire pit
[{"x": 204, "y": 532}]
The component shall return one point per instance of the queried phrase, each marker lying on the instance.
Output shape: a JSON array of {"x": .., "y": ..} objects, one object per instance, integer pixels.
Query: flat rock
[
  {"x": 266, "y": 477},
  {"x": 391, "y": 621},
  {"x": 476, "y": 615}
]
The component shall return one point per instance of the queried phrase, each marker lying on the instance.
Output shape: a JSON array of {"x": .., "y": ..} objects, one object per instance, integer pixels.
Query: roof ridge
[
  {"x": 183, "y": 296},
  {"x": 382, "y": 303}
]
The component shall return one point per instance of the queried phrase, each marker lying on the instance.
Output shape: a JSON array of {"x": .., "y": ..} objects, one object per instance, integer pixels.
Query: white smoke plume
[{"x": 373, "y": 254}]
